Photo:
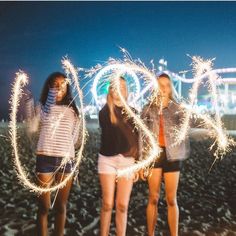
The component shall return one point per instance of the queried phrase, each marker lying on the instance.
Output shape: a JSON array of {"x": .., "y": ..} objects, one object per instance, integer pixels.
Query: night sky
[{"x": 34, "y": 36}]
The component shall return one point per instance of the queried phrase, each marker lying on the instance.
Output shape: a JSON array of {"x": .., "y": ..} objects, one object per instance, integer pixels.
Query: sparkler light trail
[
  {"x": 21, "y": 80},
  {"x": 111, "y": 68},
  {"x": 154, "y": 149},
  {"x": 202, "y": 70},
  {"x": 138, "y": 70},
  {"x": 224, "y": 143},
  {"x": 70, "y": 69}
]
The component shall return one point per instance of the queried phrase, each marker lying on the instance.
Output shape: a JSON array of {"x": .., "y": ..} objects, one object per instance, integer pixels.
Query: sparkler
[
  {"x": 109, "y": 68},
  {"x": 137, "y": 69},
  {"x": 203, "y": 69},
  {"x": 154, "y": 150},
  {"x": 21, "y": 80}
]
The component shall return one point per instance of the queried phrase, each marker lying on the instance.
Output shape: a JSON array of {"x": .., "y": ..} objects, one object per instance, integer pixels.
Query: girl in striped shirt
[{"x": 58, "y": 136}]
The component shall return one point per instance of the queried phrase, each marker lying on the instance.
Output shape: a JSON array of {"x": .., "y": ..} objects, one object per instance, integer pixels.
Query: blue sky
[{"x": 36, "y": 35}]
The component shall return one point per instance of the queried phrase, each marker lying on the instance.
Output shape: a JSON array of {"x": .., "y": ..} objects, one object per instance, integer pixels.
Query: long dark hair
[{"x": 67, "y": 100}]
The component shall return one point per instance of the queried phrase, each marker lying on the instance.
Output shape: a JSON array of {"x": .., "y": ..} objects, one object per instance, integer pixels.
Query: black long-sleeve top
[{"x": 117, "y": 138}]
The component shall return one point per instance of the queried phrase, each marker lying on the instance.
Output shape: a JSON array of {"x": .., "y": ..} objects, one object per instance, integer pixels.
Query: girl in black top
[
  {"x": 117, "y": 139},
  {"x": 119, "y": 148}
]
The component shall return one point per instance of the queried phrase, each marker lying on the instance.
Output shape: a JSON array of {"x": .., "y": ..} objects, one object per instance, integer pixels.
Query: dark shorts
[
  {"x": 167, "y": 166},
  {"x": 49, "y": 164}
]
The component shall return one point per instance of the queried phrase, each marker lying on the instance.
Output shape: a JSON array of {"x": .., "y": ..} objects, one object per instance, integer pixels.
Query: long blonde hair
[{"x": 111, "y": 105}]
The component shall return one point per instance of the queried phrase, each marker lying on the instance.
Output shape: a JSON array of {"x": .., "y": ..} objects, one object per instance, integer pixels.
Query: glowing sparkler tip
[
  {"x": 22, "y": 76},
  {"x": 200, "y": 65},
  {"x": 21, "y": 80}
]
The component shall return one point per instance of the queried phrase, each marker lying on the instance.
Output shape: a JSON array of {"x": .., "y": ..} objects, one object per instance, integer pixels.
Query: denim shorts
[
  {"x": 49, "y": 164},
  {"x": 167, "y": 166}
]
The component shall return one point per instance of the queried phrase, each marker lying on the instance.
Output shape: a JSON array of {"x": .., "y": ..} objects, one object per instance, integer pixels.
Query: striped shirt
[{"x": 59, "y": 127}]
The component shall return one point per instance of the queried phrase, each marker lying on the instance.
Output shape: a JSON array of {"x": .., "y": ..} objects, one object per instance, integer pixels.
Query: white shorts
[{"x": 110, "y": 164}]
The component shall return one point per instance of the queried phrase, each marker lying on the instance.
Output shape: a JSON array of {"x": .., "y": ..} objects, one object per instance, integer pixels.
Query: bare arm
[{"x": 77, "y": 132}]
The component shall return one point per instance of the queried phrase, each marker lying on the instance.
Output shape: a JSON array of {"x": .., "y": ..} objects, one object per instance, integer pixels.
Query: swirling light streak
[
  {"x": 201, "y": 69},
  {"x": 138, "y": 70},
  {"x": 154, "y": 150},
  {"x": 21, "y": 80}
]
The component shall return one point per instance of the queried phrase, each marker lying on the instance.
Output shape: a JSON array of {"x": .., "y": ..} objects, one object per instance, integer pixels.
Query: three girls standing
[{"x": 119, "y": 149}]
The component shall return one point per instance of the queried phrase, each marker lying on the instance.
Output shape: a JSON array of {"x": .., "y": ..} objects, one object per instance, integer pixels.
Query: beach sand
[{"x": 207, "y": 201}]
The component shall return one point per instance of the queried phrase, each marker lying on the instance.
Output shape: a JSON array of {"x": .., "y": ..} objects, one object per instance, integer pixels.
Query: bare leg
[
  {"x": 124, "y": 188},
  {"x": 108, "y": 190},
  {"x": 43, "y": 205},
  {"x": 171, "y": 186},
  {"x": 60, "y": 205},
  {"x": 154, "y": 183}
]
